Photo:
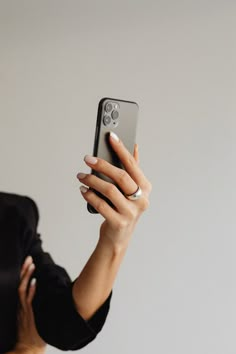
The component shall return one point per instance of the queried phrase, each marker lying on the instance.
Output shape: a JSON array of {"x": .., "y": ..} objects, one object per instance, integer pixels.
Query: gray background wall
[{"x": 176, "y": 289}]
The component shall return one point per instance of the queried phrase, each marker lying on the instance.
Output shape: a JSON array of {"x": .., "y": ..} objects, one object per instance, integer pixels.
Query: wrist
[{"x": 114, "y": 249}]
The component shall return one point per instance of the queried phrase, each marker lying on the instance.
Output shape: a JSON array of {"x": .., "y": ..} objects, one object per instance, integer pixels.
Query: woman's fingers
[
  {"x": 99, "y": 204},
  {"x": 109, "y": 190},
  {"x": 130, "y": 163},
  {"x": 24, "y": 284},
  {"x": 31, "y": 291},
  {"x": 118, "y": 175},
  {"x": 128, "y": 178},
  {"x": 26, "y": 264}
]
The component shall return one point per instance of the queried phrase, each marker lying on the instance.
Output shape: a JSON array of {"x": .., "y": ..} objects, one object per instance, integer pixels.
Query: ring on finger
[{"x": 136, "y": 195}]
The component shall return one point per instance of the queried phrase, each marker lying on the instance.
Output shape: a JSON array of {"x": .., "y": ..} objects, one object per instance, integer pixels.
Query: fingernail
[
  {"x": 33, "y": 282},
  {"x": 90, "y": 159},
  {"x": 81, "y": 175},
  {"x": 114, "y": 136},
  {"x": 83, "y": 189},
  {"x": 28, "y": 259},
  {"x": 32, "y": 266}
]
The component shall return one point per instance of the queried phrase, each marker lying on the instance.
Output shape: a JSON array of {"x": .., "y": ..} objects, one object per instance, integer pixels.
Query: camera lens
[
  {"x": 108, "y": 107},
  {"x": 115, "y": 114},
  {"x": 106, "y": 120}
]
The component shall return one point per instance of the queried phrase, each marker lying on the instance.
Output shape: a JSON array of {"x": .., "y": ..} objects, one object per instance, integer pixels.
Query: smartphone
[{"x": 118, "y": 116}]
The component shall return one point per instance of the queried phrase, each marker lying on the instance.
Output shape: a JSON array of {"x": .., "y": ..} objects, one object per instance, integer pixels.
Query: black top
[{"x": 57, "y": 320}]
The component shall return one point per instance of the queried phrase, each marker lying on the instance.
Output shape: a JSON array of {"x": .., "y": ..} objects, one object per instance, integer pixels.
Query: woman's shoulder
[{"x": 25, "y": 205}]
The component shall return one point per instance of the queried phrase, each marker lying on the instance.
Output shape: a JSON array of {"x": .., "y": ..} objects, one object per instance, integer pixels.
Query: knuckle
[
  {"x": 122, "y": 176},
  {"x": 90, "y": 178},
  {"x": 100, "y": 165},
  {"x": 111, "y": 190},
  {"x": 131, "y": 161},
  {"x": 131, "y": 213},
  {"x": 144, "y": 204},
  {"x": 100, "y": 206},
  {"x": 122, "y": 224}
]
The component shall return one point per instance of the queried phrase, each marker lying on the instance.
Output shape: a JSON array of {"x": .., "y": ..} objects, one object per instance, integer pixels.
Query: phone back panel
[
  {"x": 124, "y": 124},
  {"x": 120, "y": 117}
]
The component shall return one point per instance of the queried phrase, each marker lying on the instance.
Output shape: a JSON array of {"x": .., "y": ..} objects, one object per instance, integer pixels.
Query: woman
[{"x": 69, "y": 315}]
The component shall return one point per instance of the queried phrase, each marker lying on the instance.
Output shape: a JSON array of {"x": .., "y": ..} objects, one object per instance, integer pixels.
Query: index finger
[
  {"x": 128, "y": 161},
  {"x": 27, "y": 262}
]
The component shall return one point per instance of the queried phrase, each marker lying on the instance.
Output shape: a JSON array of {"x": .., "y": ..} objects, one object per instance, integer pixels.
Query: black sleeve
[{"x": 57, "y": 319}]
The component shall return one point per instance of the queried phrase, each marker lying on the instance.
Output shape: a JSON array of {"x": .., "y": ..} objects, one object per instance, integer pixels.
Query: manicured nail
[
  {"x": 33, "y": 282},
  {"x": 90, "y": 159},
  {"x": 31, "y": 267},
  {"x": 28, "y": 259},
  {"x": 114, "y": 136},
  {"x": 81, "y": 175},
  {"x": 83, "y": 189}
]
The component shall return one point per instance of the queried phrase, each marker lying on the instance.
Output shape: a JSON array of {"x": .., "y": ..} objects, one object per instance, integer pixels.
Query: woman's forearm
[{"x": 96, "y": 280}]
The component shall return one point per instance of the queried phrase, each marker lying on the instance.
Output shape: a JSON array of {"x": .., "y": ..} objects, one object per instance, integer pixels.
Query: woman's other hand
[{"x": 29, "y": 341}]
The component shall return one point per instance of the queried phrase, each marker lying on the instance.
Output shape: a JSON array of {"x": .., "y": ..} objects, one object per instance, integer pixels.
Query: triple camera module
[{"x": 111, "y": 114}]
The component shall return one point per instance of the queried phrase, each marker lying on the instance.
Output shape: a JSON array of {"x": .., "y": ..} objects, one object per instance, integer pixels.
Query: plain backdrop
[{"x": 176, "y": 291}]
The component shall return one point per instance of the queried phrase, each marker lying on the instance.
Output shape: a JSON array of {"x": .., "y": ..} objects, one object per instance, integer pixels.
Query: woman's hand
[
  {"x": 28, "y": 341},
  {"x": 119, "y": 221}
]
